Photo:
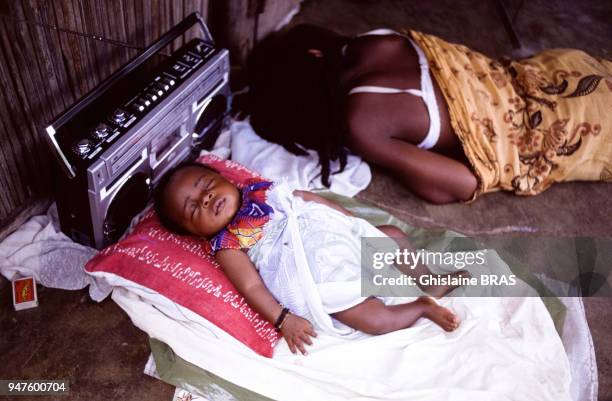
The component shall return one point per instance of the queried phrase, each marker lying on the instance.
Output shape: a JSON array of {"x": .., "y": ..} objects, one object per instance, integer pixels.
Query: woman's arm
[
  {"x": 432, "y": 176},
  {"x": 312, "y": 197},
  {"x": 242, "y": 273}
]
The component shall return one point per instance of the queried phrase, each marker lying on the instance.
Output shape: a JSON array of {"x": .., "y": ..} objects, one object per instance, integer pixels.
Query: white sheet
[
  {"x": 303, "y": 172},
  {"x": 505, "y": 349},
  {"x": 576, "y": 339},
  {"x": 38, "y": 248},
  {"x": 578, "y": 343}
]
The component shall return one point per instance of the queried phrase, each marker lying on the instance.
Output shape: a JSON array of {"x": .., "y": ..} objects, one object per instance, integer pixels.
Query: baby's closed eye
[{"x": 193, "y": 208}]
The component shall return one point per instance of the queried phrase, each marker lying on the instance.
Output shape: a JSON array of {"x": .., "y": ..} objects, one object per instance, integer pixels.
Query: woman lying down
[
  {"x": 449, "y": 122},
  {"x": 250, "y": 229}
]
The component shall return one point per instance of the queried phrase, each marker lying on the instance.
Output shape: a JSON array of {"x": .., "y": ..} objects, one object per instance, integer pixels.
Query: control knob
[
  {"x": 118, "y": 116},
  {"x": 100, "y": 132},
  {"x": 82, "y": 147}
]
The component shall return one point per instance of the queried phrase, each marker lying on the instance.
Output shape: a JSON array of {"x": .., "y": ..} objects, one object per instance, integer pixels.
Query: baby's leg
[
  {"x": 372, "y": 316},
  {"x": 420, "y": 269}
]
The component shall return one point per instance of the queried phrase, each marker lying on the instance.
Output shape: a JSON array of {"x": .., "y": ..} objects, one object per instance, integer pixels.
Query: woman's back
[{"x": 390, "y": 61}]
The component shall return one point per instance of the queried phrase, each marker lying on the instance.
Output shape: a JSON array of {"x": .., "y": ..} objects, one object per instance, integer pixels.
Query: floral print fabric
[
  {"x": 529, "y": 123},
  {"x": 247, "y": 226}
]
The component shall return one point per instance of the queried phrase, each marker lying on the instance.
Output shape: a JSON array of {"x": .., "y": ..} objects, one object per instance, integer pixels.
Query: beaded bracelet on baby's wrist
[{"x": 281, "y": 319}]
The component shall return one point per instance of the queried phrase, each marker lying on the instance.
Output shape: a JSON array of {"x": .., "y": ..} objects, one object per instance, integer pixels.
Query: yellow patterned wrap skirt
[{"x": 527, "y": 124}]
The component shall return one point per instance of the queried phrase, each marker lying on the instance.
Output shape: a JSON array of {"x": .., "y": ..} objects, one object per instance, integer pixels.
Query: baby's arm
[
  {"x": 312, "y": 197},
  {"x": 242, "y": 273}
]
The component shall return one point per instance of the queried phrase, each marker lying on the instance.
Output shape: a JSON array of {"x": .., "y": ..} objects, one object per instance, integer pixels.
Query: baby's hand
[{"x": 296, "y": 332}]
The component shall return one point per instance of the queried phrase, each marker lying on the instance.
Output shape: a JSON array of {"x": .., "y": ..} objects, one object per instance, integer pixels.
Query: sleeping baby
[{"x": 294, "y": 256}]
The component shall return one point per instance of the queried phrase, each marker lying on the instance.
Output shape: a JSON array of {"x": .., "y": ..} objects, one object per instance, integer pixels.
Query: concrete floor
[
  {"x": 92, "y": 345},
  {"x": 96, "y": 347}
]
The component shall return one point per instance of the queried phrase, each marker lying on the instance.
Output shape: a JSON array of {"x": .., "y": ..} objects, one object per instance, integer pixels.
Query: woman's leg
[
  {"x": 372, "y": 316},
  {"x": 420, "y": 269}
]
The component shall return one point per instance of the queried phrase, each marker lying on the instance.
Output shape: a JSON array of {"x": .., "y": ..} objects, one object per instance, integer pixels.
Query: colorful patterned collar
[{"x": 247, "y": 226}]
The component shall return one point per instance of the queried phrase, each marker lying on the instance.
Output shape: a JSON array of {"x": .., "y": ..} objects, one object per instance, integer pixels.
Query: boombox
[{"x": 116, "y": 142}]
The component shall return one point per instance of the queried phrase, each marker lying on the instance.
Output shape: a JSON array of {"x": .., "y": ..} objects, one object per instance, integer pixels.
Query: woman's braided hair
[{"x": 296, "y": 96}]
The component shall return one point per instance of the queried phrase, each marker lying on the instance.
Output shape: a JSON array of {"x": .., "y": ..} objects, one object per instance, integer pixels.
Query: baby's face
[{"x": 201, "y": 201}]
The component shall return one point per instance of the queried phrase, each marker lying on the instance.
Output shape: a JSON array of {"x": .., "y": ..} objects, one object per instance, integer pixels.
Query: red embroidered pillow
[{"x": 182, "y": 269}]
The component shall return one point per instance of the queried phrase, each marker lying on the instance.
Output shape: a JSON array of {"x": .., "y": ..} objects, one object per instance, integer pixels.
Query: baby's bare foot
[
  {"x": 440, "y": 315},
  {"x": 441, "y": 290}
]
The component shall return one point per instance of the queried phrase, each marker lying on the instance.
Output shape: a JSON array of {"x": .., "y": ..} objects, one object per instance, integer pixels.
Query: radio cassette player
[{"x": 115, "y": 143}]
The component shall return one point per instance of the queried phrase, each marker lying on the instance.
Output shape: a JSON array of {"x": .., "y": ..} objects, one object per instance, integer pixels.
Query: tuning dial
[
  {"x": 118, "y": 116},
  {"x": 101, "y": 131},
  {"x": 82, "y": 147}
]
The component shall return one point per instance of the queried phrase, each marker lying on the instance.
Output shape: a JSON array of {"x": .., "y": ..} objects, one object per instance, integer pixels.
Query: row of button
[
  {"x": 162, "y": 84},
  {"x": 155, "y": 91}
]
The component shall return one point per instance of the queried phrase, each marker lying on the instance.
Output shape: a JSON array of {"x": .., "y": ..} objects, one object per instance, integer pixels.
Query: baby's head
[{"x": 195, "y": 199}]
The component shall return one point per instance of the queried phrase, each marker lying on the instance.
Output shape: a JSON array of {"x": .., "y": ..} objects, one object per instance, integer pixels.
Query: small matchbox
[{"x": 24, "y": 293}]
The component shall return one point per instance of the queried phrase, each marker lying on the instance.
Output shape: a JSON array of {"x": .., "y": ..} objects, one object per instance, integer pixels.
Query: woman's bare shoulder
[{"x": 373, "y": 45}]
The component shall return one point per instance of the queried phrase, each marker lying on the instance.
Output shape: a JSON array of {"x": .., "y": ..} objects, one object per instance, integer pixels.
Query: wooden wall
[
  {"x": 43, "y": 71},
  {"x": 239, "y": 24}
]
